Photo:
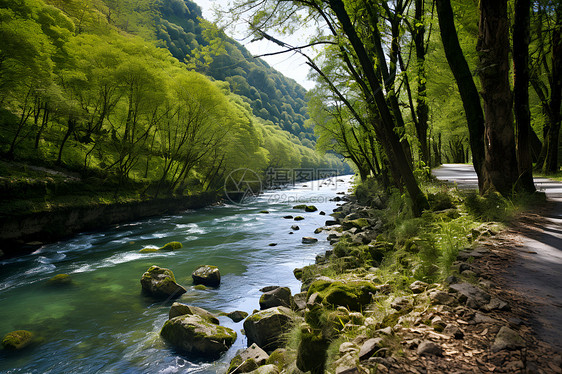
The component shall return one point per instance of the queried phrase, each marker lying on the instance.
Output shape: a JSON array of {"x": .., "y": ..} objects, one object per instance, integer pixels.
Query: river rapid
[{"x": 102, "y": 323}]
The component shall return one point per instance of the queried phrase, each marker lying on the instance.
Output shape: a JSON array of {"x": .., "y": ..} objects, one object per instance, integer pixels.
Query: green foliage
[
  {"x": 79, "y": 90},
  {"x": 491, "y": 207}
]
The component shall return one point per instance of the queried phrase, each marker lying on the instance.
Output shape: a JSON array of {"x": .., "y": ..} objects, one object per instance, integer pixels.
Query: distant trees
[{"x": 113, "y": 104}]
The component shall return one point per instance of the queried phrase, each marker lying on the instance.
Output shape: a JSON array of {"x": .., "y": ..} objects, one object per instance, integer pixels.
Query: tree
[
  {"x": 521, "y": 38},
  {"x": 466, "y": 86},
  {"x": 500, "y": 163}
]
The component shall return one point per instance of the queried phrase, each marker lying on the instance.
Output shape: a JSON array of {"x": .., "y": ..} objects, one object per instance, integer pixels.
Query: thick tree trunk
[
  {"x": 551, "y": 164},
  {"x": 521, "y": 36},
  {"x": 421, "y": 101},
  {"x": 465, "y": 83},
  {"x": 500, "y": 166}
]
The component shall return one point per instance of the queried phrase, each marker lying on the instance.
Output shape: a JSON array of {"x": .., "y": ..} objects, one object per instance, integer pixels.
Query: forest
[
  {"x": 93, "y": 86},
  {"x": 403, "y": 86}
]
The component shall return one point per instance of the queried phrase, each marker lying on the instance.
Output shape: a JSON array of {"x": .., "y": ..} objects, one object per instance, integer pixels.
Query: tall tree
[
  {"x": 465, "y": 83},
  {"x": 500, "y": 164},
  {"x": 521, "y": 37}
]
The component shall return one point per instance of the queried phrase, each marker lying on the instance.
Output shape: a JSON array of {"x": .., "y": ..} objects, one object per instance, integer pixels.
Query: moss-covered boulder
[
  {"x": 60, "y": 280},
  {"x": 265, "y": 369},
  {"x": 193, "y": 334},
  {"x": 358, "y": 223},
  {"x": 279, "y": 358},
  {"x": 310, "y": 208},
  {"x": 179, "y": 309},
  {"x": 311, "y": 353},
  {"x": 237, "y": 315},
  {"x": 171, "y": 246},
  {"x": 160, "y": 283},
  {"x": 352, "y": 295},
  {"x": 149, "y": 250},
  {"x": 17, "y": 340},
  {"x": 248, "y": 360},
  {"x": 300, "y": 206},
  {"x": 207, "y": 275},
  {"x": 267, "y": 327},
  {"x": 279, "y": 296}
]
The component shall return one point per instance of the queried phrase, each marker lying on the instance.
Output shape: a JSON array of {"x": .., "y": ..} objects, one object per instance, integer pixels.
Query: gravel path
[{"x": 536, "y": 271}]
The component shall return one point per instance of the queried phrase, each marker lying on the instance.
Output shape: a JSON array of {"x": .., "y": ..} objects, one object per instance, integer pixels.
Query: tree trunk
[
  {"x": 421, "y": 101},
  {"x": 521, "y": 36},
  {"x": 71, "y": 125},
  {"x": 465, "y": 83},
  {"x": 500, "y": 165},
  {"x": 551, "y": 163}
]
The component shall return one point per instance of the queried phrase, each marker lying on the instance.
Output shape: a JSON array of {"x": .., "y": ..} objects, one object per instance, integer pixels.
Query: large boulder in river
[
  {"x": 160, "y": 282},
  {"x": 193, "y": 334},
  {"x": 279, "y": 296},
  {"x": 17, "y": 340},
  {"x": 179, "y": 309},
  {"x": 207, "y": 275},
  {"x": 267, "y": 328}
]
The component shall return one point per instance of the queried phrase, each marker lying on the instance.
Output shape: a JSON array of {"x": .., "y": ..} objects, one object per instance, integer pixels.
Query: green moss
[
  {"x": 234, "y": 363},
  {"x": 352, "y": 295},
  {"x": 300, "y": 206},
  {"x": 310, "y": 208},
  {"x": 201, "y": 287},
  {"x": 17, "y": 339},
  {"x": 264, "y": 211},
  {"x": 171, "y": 246},
  {"x": 148, "y": 250},
  {"x": 278, "y": 358},
  {"x": 60, "y": 280}
]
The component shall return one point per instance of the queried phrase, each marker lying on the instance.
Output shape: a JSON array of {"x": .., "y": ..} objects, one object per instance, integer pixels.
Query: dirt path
[{"x": 535, "y": 272}]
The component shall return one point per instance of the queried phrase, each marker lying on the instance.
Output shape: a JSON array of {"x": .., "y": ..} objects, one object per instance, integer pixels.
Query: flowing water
[{"x": 102, "y": 323}]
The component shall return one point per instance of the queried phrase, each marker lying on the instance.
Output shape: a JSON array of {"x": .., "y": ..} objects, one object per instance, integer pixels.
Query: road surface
[{"x": 536, "y": 271}]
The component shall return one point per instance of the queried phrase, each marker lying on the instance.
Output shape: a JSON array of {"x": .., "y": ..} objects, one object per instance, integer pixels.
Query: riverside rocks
[
  {"x": 17, "y": 340},
  {"x": 237, "y": 315},
  {"x": 278, "y": 296},
  {"x": 207, "y": 275},
  {"x": 179, "y": 309},
  {"x": 267, "y": 327},
  {"x": 507, "y": 339},
  {"x": 248, "y": 360},
  {"x": 160, "y": 283},
  {"x": 309, "y": 240},
  {"x": 193, "y": 334}
]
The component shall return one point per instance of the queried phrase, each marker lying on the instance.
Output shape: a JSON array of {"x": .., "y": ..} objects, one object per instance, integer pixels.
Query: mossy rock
[
  {"x": 149, "y": 250},
  {"x": 17, "y": 340},
  {"x": 352, "y": 295},
  {"x": 161, "y": 283},
  {"x": 279, "y": 358},
  {"x": 359, "y": 223},
  {"x": 265, "y": 369},
  {"x": 264, "y": 211},
  {"x": 207, "y": 275},
  {"x": 236, "y": 316},
  {"x": 171, "y": 246},
  {"x": 194, "y": 334},
  {"x": 298, "y": 218},
  {"x": 267, "y": 328},
  {"x": 312, "y": 350},
  {"x": 201, "y": 287},
  {"x": 60, "y": 280},
  {"x": 179, "y": 309},
  {"x": 310, "y": 208},
  {"x": 300, "y": 206}
]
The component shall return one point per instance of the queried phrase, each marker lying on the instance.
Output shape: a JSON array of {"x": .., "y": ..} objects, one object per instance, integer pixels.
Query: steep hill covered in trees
[{"x": 85, "y": 85}]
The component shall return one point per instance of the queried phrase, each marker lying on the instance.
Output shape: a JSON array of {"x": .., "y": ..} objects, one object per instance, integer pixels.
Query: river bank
[{"x": 440, "y": 312}]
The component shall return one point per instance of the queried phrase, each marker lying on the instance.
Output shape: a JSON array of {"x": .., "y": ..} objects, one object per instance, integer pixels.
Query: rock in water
[
  {"x": 309, "y": 240},
  {"x": 179, "y": 309},
  {"x": 17, "y": 340},
  {"x": 171, "y": 246},
  {"x": 160, "y": 282},
  {"x": 279, "y": 296},
  {"x": 267, "y": 327},
  {"x": 207, "y": 275},
  {"x": 237, "y": 315},
  {"x": 310, "y": 208},
  {"x": 60, "y": 280},
  {"x": 193, "y": 334}
]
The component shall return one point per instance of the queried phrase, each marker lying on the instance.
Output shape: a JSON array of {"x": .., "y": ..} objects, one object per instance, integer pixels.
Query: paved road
[{"x": 536, "y": 272}]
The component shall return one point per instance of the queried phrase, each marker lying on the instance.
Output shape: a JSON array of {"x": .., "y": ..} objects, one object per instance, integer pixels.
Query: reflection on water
[{"x": 102, "y": 323}]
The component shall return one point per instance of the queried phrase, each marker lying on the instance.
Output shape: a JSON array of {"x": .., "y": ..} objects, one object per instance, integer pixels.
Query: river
[{"x": 102, "y": 323}]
